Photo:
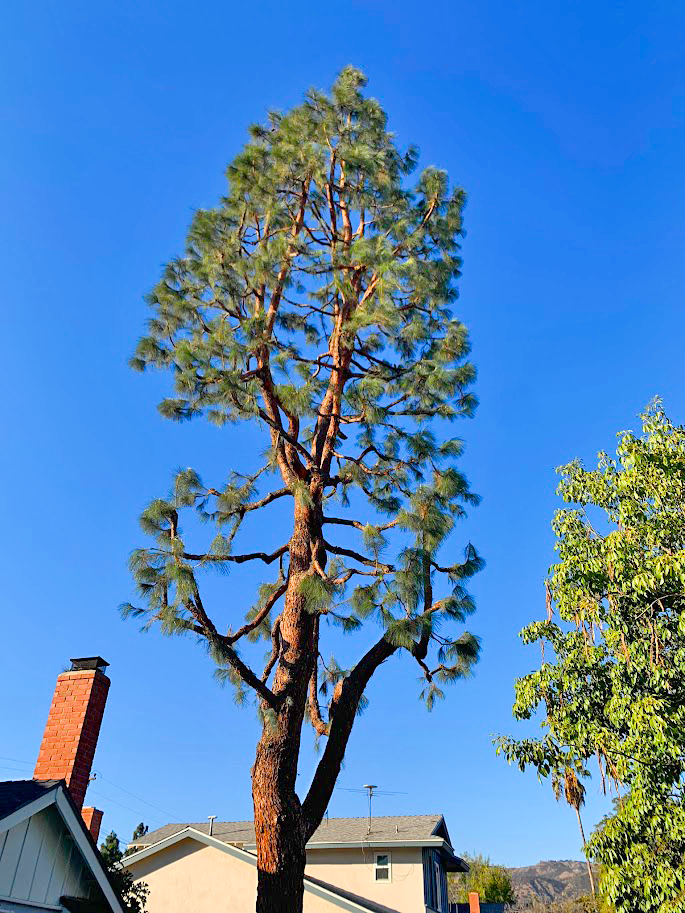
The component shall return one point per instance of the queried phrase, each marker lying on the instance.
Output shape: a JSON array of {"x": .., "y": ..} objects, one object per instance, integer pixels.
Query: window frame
[
  {"x": 437, "y": 869},
  {"x": 376, "y": 867}
]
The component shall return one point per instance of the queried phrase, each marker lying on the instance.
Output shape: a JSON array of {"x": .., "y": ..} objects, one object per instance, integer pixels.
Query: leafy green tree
[
  {"x": 314, "y": 304},
  {"x": 491, "y": 882},
  {"x": 611, "y": 682},
  {"x": 133, "y": 894},
  {"x": 140, "y": 831}
]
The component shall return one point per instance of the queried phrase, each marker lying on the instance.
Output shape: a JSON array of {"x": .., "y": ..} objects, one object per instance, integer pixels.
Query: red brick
[{"x": 71, "y": 733}]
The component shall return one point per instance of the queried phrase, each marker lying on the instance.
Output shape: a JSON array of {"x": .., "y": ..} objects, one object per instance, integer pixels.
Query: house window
[
  {"x": 382, "y": 870},
  {"x": 438, "y": 886}
]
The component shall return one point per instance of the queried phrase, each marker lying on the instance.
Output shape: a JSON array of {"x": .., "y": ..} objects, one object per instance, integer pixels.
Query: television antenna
[
  {"x": 369, "y": 787},
  {"x": 371, "y": 790}
]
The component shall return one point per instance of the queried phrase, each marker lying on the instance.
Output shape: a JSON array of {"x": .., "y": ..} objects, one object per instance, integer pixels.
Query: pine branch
[
  {"x": 222, "y": 646},
  {"x": 342, "y": 714},
  {"x": 260, "y": 616},
  {"x": 362, "y": 559},
  {"x": 239, "y": 559}
]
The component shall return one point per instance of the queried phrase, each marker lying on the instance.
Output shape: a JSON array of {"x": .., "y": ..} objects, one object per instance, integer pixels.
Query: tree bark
[{"x": 279, "y": 827}]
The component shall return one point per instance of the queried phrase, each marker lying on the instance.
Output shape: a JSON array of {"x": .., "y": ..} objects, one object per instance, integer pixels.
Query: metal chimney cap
[{"x": 85, "y": 663}]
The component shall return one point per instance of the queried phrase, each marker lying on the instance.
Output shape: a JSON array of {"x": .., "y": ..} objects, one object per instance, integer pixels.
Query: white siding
[
  {"x": 39, "y": 861},
  {"x": 10, "y": 857}
]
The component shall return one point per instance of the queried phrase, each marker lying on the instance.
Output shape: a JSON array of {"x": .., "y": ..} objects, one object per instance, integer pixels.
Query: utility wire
[
  {"x": 101, "y": 776},
  {"x": 121, "y": 805},
  {"x": 138, "y": 798}
]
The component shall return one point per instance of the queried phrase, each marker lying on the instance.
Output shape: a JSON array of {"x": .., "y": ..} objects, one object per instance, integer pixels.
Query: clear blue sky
[{"x": 564, "y": 122}]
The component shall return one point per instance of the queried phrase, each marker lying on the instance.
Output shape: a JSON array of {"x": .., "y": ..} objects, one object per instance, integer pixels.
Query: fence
[{"x": 483, "y": 907}]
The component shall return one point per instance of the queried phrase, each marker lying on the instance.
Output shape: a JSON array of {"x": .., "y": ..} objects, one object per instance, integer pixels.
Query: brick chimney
[{"x": 72, "y": 730}]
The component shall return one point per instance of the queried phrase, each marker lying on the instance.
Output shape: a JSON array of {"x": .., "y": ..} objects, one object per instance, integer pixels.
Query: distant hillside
[{"x": 555, "y": 879}]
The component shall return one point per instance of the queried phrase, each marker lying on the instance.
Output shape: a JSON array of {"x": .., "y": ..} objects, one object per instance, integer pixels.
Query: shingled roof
[
  {"x": 331, "y": 830},
  {"x": 16, "y": 793}
]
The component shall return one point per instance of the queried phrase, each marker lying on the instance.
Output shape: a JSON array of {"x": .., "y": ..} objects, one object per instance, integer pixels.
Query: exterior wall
[
  {"x": 352, "y": 869},
  {"x": 39, "y": 862},
  {"x": 435, "y": 881},
  {"x": 204, "y": 879},
  {"x": 191, "y": 876}
]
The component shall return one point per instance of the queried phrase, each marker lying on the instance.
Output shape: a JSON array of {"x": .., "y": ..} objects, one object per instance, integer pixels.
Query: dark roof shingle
[
  {"x": 331, "y": 830},
  {"x": 16, "y": 793}
]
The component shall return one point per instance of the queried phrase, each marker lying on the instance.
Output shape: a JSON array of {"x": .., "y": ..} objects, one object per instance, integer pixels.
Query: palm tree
[{"x": 574, "y": 793}]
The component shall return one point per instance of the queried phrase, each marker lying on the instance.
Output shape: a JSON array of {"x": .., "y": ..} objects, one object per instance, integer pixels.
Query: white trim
[
  {"x": 343, "y": 903},
  {"x": 27, "y": 903},
  {"x": 437, "y": 842},
  {"x": 187, "y": 832},
  {"x": 376, "y": 867},
  {"x": 57, "y": 796},
  {"x": 92, "y": 859}
]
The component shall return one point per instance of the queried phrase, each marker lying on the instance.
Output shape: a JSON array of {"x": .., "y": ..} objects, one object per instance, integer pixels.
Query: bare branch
[
  {"x": 240, "y": 559},
  {"x": 350, "y": 553},
  {"x": 275, "y": 649},
  {"x": 205, "y": 627},
  {"x": 357, "y": 524},
  {"x": 260, "y": 616}
]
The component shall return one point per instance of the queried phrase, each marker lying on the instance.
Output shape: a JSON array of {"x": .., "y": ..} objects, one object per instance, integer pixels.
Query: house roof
[
  {"x": 16, "y": 793},
  {"x": 21, "y": 799},
  {"x": 362, "y": 902},
  {"x": 394, "y": 829},
  {"x": 340, "y": 898}
]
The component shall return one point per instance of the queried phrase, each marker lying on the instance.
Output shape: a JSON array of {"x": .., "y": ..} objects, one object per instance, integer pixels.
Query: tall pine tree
[{"x": 314, "y": 302}]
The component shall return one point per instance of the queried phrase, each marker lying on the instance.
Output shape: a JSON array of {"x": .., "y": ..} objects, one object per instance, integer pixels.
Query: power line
[
  {"x": 138, "y": 798},
  {"x": 112, "y": 783},
  {"x": 121, "y": 805}
]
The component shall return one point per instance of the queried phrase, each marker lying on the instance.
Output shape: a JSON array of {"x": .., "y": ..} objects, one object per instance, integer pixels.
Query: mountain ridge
[{"x": 550, "y": 880}]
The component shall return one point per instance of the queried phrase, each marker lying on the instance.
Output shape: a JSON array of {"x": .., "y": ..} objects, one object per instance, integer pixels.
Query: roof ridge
[{"x": 323, "y": 820}]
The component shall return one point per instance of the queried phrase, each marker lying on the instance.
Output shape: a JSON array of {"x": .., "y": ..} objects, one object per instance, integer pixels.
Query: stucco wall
[
  {"x": 191, "y": 876},
  {"x": 353, "y": 870}
]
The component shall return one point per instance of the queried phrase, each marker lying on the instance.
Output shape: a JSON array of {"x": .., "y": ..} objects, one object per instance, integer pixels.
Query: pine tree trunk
[
  {"x": 280, "y": 847},
  {"x": 279, "y": 824}
]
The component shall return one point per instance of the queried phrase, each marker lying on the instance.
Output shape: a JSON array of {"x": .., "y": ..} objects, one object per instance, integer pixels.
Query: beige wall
[
  {"x": 191, "y": 876},
  {"x": 352, "y": 869}
]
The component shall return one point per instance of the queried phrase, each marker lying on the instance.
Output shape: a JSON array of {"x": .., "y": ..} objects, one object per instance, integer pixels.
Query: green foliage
[
  {"x": 491, "y": 882},
  {"x": 140, "y": 831},
  {"x": 611, "y": 682},
  {"x": 314, "y": 302},
  {"x": 133, "y": 894},
  {"x": 576, "y": 905}
]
